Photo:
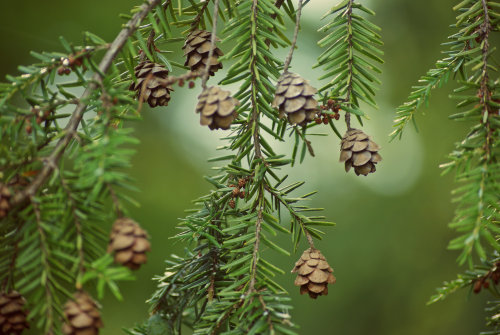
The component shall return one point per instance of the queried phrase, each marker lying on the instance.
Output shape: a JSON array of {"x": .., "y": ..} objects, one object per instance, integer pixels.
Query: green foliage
[
  {"x": 475, "y": 161},
  {"x": 69, "y": 168},
  {"x": 352, "y": 52}
]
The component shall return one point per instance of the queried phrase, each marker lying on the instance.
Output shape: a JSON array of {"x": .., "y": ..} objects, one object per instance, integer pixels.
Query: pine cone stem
[
  {"x": 294, "y": 41},
  {"x": 348, "y": 120},
  {"x": 212, "y": 44}
]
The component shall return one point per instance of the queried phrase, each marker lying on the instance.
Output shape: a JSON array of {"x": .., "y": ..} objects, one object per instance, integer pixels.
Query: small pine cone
[
  {"x": 313, "y": 273},
  {"x": 294, "y": 98},
  {"x": 150, "y": 74},
  {"x": 12, "y": 313},
  {"x": 196, "y": 50},
  {"x": 217, "y": 108},
  {"x": 5, "y": 196},
  {"x": 359, "y": 151},
  {"x": 82, "y": 316},
  {"x": 129, "y": 242}
]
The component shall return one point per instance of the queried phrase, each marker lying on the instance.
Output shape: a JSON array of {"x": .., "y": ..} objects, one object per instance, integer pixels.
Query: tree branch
[{"x": 73, "y": 123}]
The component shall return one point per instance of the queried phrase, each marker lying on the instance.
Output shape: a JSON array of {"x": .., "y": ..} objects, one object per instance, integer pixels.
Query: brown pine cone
[
  {"x": 149, "y": 76},
  {"x": 13, "y": 316},
  {"x": 217, "y": 108},
  {"x": 82, "y": 316},
  {"x": 313, "y": 273},
  {"x": 196, "y": 49},
  {"x": 5, "y": 196},
  {"x": 359, "y": 151},
  {"x": 294, "y": 98},
  {"x": 129, "y": 242}
]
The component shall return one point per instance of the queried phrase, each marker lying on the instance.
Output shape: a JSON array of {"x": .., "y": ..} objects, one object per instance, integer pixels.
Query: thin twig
[
  {"x": 294, "y": 41},
  {"x": 197, "y": 19},
  {"x": 212, "y": 45},
  {"x": 255, "y": 253},
  {"x": 73, "y": 123},
  {"x": 116, "y": 201},
  {"x": 151, "y": 37},
  {"x": 349, "y": 63}
]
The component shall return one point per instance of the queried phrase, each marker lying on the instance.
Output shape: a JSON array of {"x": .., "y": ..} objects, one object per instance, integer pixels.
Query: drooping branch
[{"x": 51, "y": 162}]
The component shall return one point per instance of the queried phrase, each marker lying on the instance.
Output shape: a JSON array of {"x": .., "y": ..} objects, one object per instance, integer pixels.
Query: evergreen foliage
[
  {"x": 67, "y": 168},
  {"x": 471, "y": 61}
]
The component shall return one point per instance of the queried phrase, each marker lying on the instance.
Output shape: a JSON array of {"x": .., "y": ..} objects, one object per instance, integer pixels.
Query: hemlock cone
[
  {"x": 313, "y": 273},
  {"x": 129, "y": 242},
  {"x": 149, "y": 76},
  {"x": 196, "y": 50},
  {"x": 359, "y": 151},
  {"x": 5, "y": 196},
  {"x": 82, "y": 316},
  {"x": 294, "y": 98},
  {"x": 13, "y": 316},
  {"x": 217, "y": 108}
]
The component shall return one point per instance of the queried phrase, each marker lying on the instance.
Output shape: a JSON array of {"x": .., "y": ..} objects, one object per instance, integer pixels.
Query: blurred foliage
[{"x": 388, "y": 249}]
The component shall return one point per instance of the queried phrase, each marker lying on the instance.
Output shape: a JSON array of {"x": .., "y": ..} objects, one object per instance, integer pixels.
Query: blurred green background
[{"x": 389, "y": 246}]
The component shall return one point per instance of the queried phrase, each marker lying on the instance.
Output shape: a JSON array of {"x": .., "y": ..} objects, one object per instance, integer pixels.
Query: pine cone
[
  {"x": 196, "y": 49},
  {"x": 217, "y": 108},
  {"x": 12, "y": 314},
  {"x": 129, "y": 242},
  {"x": 4, "y": 200},
  {"x": 294, "y": 98},
  {"x": 358, "y": 150},
  {"x": 82, "y": 316},
  {"x": 313, "y": 273},
  {"x": 148, "y": 74}
]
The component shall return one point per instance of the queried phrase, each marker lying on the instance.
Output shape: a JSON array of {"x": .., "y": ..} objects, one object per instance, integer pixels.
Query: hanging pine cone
[
  {"x": 196, "y": 49},
  {"x": 313, "y": 273},
  {"x": 149, "y": 75},
  {"x": 294, "y": 98},
  {"x": 129, "y": 242},
  {"x": 82, "y": 316},
  {"x": 217, "y": 108},
  {"x": 359, "y": 151},
  {"x": 13, "y": 316},
  {"x": 4, "y": 200}
]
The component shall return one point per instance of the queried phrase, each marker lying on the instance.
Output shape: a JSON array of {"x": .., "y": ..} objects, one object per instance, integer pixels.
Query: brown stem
[
  {"x": 294, "y": 41},
  {"x": 348, "y": 120},
  {"x": 116, "y": 201},
  {"x": 484, "y": 91},
  {"x": 151, "y": 37},
  {"x": 212, "y": 44},
  {"x": 255, "y": 253},
  {"x": 197, "y": 19},
  {"x": 349, "y": 64},
  {"x": 73, "y": 123}
]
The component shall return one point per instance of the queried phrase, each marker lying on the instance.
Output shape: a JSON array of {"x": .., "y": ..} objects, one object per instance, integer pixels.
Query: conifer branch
[
  {"x": 46, "y": 272},
  {"x": 52, "y": 160}
]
